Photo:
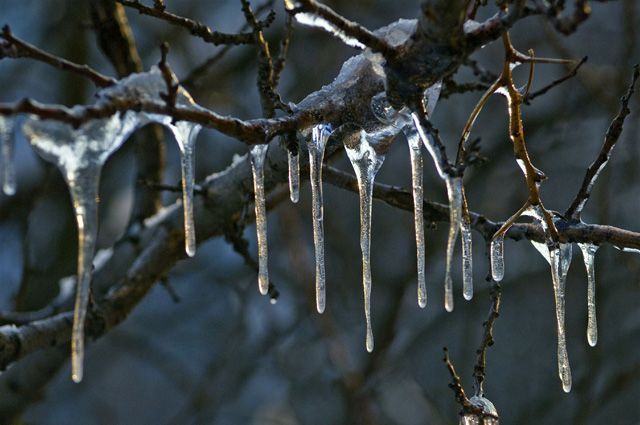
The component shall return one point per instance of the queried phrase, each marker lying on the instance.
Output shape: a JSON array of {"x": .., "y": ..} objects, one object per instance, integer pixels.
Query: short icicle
[
  {"x": 186, "y": 134},
  {"x": 366, "y": 164},
  {"x": 588, "y": 254},
  {"x": 415, "y": 151},
  {"x": 8, "y": 177},
  {"x": 258, "y": 155},
  {"x": 316, "y": 146},
  {"x": 80, "y": 154},
  {"x": 467, "y": 259},
  {"x": 560, "y": 261},
  {"x": 294, "y": 176},
  {"x": 454, "y": 192},
  {"x": 497, "y": 258}
]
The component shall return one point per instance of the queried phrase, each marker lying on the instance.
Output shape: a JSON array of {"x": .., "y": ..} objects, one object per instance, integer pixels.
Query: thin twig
[
  {"x": 487, "y": 339},
  {"x": 17, "y": 48},
  {"x": 196, "y": 28},
  {"x": 610, "y": 140},
  {"x": 574, "y": 71}
]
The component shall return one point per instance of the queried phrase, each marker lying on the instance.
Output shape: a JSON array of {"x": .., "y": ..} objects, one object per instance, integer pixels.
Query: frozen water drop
[
  {"x": 366, "y": 163},
  {"x": 467, "y": 259},
  {"x": 258, "y": 155},
  {"x": 316, "y": 146},
  {"x": 454, "y": 193},
  {"x": 8, "y": 176},
  {"x": 294, "y": 176},
  {"x": 497, "y": 258},
  {"x": 588, "y": 255}
]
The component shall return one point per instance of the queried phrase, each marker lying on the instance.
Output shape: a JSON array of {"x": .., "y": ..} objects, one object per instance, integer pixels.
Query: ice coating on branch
[
  {"x": 80, "y": 154},
  {"x": 431, "y": 97},
  {"x": 150, "y": 86},
  {"x": 312, "y": 20},
  {"x": 8, "y": 177},
  {"x": 497, "y": 258},
  {"x": 258, "y": 155},
  {"x": 316, "y": 146},
  {"x": 467, "y": 258},
  {"x": 588, "y": 255},
  {"x": 490, "y": 414},
  {"x": 366, "y": 163},
  {"x": 293, "y": 160},
  {"x": 454, "y": 193}
]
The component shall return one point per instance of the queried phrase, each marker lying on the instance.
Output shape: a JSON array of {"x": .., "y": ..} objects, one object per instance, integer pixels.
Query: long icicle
[
  {"x": 83, "y": 185},
  {"x": 316, "y": 146},
  {"x": 186, "y": 134},
  {"x": 415, "y": 151},
  {"x": 467, "y": 258},
  {"x": 588, "y": 255},
  {"x": 560, "y": 260},
  {"x": 7, "y": 167},
  {"x": 454, "y": 192},
  {"x": 258, "y": 155},
  {"x": 80, "y": 154},
  {"x": 366, "y": 163}
]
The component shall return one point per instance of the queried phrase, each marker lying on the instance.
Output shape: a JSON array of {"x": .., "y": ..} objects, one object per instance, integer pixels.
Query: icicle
[
  {"x": 80, "y": 154},
  {"x": 415, "y": 151},
  {"x": 258, "y": 156},
  {"x": 316, "y": 145},
  {"x": 588, "y": 254},
  {"x": 186, "y": 134},
  {"x": 294, "y": 176},
  {"x": 497, "y": 258},
  {"x": 8, "y": 177},
  {"x": 149, "y": 86},
  {"x": 366, "y": 164},
  {"x": 467, "y": 259},
  {"x": 454, "y": 192},
  {"x": 560, "y": 261}
]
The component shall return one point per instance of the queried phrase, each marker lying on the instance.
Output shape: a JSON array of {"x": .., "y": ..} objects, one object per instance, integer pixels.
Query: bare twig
[
  {"x": 196, "y": 28},
  {"x": 574, "y": 71},
  {"x": 487, "y": 339},
  {"x": 610, "y": 140},
  {"x": 13, "y": 47}
]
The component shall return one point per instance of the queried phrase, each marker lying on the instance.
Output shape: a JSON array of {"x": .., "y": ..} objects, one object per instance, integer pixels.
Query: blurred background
[{"x": 222, "y": 354}]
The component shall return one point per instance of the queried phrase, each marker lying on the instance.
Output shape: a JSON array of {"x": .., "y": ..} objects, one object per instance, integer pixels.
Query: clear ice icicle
[
  {"x": 497, "y": 258},
  {"x": 366, "y": 163},
  {"x": 415, "y": 151},
  {"x": 185, "y": 134},
  {"x": 149, "y": 86},
  {"x": 467, "y": 259},
  {"x": 588, "y": 255},
  {"x": 560, "y": 261},
  {"x": 294, "y": 176},
  {"x": 316, "y": 146},
  {"x": 454, "y": 192},
  {"x": 8, "y": 177},
  {"x": 80, "y": 154},
  {"x": 258, "y": 155}
]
